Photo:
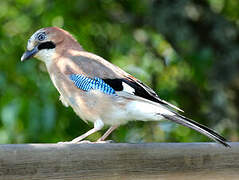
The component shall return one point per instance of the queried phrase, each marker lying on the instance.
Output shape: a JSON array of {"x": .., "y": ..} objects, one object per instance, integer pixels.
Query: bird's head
[{"x": 46, "y": 43}]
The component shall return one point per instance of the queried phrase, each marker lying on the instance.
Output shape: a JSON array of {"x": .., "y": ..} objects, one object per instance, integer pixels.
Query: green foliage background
[{"x": 187, "y": 51}]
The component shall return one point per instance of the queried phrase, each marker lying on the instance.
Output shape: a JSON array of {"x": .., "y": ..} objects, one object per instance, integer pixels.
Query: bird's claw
[
  {"x": 108, "y": 141},
  {"x": 79, "y": 142},
  {"x": 87, "y": 142}
]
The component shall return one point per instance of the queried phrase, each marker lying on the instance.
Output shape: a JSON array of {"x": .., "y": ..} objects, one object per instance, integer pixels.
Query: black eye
[{"x": 41, "y": 36}]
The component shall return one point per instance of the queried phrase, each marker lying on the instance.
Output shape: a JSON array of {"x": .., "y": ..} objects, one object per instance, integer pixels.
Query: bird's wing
[
  {"x": 108, "y": 78},
  {"x": 93, "y": 66}
]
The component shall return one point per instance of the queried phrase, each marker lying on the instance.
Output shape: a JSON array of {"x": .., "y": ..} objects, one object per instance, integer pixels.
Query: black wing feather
[
  {"x": 140, "y": 88},
  {"x": 198, "y": 127},
  {"x": 117, "y": 85}
]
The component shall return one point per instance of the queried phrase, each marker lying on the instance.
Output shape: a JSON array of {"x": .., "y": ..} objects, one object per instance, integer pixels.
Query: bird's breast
[{"x": 89, "y": 105}]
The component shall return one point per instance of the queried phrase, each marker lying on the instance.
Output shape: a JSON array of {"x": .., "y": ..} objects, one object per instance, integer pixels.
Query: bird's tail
[{"x": 196, "y": 126}]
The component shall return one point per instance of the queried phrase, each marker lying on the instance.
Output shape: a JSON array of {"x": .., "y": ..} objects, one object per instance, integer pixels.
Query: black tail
[{"x": 196, "y": 126}]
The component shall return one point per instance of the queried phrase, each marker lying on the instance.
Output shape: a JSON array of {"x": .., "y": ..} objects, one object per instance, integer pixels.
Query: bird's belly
[
  {"x": 115, "y": 116},
  {"x": 92, "y": 106},
  {"x": 134, "y": 110},
  {"x": 123, "y": 111},
  {"x": 113, "y": 110}
]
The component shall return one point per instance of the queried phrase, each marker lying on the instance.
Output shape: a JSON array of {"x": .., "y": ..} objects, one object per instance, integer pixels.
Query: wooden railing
[{"x": 119, "y": 161}]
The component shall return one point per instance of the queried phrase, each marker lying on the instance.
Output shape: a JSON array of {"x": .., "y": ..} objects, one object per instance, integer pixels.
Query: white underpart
[
  {"x": 144, "y": 111},
  {"x": 136, "y": 110},
  {"x": 98, "y": 124},
  {"x": 46, "y": 55},
  {"x": 128, "y": 88}
]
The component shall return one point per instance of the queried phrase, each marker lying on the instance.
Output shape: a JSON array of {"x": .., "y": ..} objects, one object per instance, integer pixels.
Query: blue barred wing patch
[{"x": 88, "y": 84}]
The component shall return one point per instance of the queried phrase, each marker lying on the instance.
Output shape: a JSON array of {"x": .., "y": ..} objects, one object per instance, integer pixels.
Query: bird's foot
[
  {"x": 79, "y": 142},
  {"x": 86, "y": 142},
  {"x": 108, "y": 141}
]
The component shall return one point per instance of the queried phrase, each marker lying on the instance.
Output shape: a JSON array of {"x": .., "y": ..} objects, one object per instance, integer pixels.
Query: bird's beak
[{"x": 29, "y": 54}]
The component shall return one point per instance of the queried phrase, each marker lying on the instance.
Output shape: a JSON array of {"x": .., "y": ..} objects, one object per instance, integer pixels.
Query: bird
[{"x": 99, "y": 91}]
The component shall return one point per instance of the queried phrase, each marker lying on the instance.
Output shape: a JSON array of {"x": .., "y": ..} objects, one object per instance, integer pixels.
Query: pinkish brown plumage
[{"x": 99, "y": 91}]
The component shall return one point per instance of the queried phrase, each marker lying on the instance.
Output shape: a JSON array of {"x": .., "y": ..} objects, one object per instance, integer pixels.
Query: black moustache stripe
[{"x": 46, "y": 45}]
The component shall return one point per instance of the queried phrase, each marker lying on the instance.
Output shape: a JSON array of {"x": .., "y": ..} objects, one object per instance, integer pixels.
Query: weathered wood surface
[{"x": 119, "y": 161}]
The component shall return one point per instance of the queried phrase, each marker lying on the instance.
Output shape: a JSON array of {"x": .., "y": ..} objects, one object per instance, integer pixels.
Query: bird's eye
[{"x": 41, "y": 36}]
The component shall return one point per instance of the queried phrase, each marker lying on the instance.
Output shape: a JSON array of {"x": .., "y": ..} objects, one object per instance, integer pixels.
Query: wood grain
[{"x": 119, "y": 161}]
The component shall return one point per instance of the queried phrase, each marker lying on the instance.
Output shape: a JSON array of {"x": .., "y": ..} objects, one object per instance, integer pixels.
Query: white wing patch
[{"x": 128, "y": 88}]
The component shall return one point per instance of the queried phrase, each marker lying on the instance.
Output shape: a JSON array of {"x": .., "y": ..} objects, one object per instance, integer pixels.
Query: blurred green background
[{"x": 187, "y": 51}]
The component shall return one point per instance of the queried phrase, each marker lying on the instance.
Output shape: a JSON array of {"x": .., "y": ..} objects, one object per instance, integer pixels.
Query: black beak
[{"x": 29, "y": 54}]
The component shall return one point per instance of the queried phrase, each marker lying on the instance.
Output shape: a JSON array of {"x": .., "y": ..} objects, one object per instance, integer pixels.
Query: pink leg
[
  {"x": 108, "y": 132},
  {"x": 98, "y": 125}
]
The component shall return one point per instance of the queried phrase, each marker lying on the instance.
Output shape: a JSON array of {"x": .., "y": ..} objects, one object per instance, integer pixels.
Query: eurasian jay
[{"x": 99, "y": 91}]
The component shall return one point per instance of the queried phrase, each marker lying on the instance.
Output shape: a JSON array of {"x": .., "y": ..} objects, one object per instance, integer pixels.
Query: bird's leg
[
  {"x": 83, "y": 136},
  {"x": 107, "y": 133},
  {"x": 98, "y": 125}
]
